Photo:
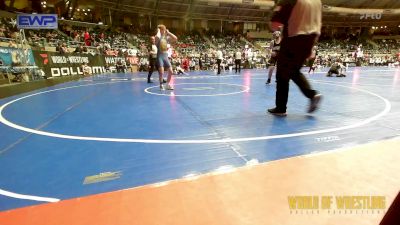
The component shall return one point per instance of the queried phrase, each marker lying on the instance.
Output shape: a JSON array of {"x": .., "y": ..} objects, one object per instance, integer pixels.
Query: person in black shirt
[
  {"x": 274, "y": 48},
  {"x": 120, "y": 66},
  {"x": 152, "y": 58}
]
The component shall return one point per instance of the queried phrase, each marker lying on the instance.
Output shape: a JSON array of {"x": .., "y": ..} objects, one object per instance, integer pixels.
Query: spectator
[
  {"x": 79, "y": 49},
  {"x": 86, "y": 38},
  {"x": 63, "y": 48},
  {"x": 120, "y": 66},
  {"x": 12, "y": 44}
]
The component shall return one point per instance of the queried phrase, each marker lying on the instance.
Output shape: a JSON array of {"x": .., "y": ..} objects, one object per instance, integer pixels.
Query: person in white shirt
[
  {"x": 180, "y": 70},
  {"x": 170, "y": 51},
  {"x": 359, "y": 55},
  {"x": 250, "y": 58},
  {"x": 238, "y": 60},
  {"x": 229, "y": 63},
  {"x": 86, "y": 69},
  {"x": 371, "y": 61},
  {"x": 192, "y": 64}
]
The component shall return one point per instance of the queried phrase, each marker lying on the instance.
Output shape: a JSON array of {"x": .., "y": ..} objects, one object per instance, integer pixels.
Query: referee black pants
[
  {"x": 219, "y": 61},
  {"x": 238, "y": 63},
  {"x": 152, "y": 66},
  {"x": 290, "y": 60}
]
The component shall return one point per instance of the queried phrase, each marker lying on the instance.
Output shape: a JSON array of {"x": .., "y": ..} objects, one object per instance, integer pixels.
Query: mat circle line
[{"x": 199, "y": 141}]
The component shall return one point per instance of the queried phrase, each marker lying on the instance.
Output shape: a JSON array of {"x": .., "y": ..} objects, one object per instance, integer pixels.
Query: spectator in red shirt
[
  {"x": 86, "y": 37},
  {"x": 185, "y": 64}
]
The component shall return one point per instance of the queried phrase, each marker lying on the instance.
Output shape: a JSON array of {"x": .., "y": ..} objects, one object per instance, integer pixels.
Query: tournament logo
[{"x": 45, "y": 58}]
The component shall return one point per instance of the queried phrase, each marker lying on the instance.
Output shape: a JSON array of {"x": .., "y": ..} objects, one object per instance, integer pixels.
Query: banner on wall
[
  {"x": 56, "y": 64},
  {"x": 16, "y": 56},
  {"x": 112, "y": 60},
  {"x": 37, "y": 21}
]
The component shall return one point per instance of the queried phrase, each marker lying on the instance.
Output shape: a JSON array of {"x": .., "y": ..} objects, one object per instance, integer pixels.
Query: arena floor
[{"x": 112, "y": 149}]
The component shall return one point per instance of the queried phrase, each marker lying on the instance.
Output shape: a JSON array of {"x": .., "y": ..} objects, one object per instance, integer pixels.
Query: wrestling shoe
[
  {"x": 314, "y": 103},
  {"x": 276, "y": 112}
]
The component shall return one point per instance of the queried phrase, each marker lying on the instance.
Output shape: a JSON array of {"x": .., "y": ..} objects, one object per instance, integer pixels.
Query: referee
[
  {"x": 152, "y": 58},
  {"x": 301, "y": 22}
]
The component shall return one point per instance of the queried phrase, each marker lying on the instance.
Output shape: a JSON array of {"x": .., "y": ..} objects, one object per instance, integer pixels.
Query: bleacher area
[{"x": 101, "y": 48}]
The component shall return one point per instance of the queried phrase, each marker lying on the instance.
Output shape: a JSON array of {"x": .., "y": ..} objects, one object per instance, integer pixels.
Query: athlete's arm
[{"x": 174, "y": 38}]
